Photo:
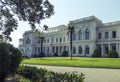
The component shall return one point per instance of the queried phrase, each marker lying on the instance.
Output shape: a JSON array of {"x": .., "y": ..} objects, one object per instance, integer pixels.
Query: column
[
  {"x": 117, "y": 47},
  {"x": 84, "y": 51},
  {"x": 102, "y": 50},
  {"x": 118, "y": 50},
  {"x": 77, "y": 50},
  {"x": 109, "y": 48}
]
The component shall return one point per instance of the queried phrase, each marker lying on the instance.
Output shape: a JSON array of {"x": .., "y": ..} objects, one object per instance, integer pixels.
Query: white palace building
[{"x": 90, "y": 34}]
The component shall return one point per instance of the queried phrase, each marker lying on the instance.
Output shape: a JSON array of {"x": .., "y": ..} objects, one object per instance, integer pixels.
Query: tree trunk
[
  {"x": 41, "y": 47},
  {"x": 71, "y": 44}
]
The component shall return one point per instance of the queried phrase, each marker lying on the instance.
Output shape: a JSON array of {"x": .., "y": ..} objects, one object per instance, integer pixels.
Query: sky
[{"x": 67, "y": 10}]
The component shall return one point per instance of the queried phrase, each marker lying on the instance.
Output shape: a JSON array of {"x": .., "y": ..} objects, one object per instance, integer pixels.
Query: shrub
[
  {"x": 96, "y": 53},
  {"x": 43, "y": 75},
  {"x": 55, "y": 55},
  {"x": 112, "y": 54},
  {"x": 64, "y": 54},
  {"x": 10, "y": 58},
  {"x": 42, "y": 54},
  {"x": 25, "y": 57}
]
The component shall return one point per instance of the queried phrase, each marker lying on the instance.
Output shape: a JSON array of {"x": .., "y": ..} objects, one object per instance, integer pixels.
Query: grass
[{"x": 76, "y": 62}]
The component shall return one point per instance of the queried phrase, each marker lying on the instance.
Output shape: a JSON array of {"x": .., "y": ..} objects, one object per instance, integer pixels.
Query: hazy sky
[{"x": 67, "y": 10}]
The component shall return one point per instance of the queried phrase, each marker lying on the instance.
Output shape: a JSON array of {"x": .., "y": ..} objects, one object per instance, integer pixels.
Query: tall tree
[
  {"x": 41, "y": 38},
  {"x": 70, "y": 32},
  {"x": 32, "y": 11}
]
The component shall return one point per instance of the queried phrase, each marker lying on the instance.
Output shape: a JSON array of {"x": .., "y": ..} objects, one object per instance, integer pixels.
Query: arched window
[
  {"x": 87, "y": 49},
  {"x": 114, "y": 47},
  {"x": 80, "y": 35},
  {"x": 74, "y": 50},
  {"x": 80, "y": 49},
  {"x": 106, "y": 49},
  {"x": 87, "y": 34}
]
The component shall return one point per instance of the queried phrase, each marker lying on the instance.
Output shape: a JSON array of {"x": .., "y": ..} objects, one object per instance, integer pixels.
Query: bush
[
  {"x": 64, "y": 54},
  {"x": 42, "y": 54},
  {"x": 55, "y": 55},
  {"x": 10, "y": 58},
  {"x": 43, "y": 75},
  {"x": 96, "y": 53},
  {"x": 25, "y": 57},
  {"x": 112, "y": 54}
]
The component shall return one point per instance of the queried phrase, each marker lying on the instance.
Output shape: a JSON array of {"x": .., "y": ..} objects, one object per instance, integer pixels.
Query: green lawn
[{"x": 76, "y": 62}]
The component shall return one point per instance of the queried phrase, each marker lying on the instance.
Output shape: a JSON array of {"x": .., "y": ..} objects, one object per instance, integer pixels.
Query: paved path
[{"x": 91, "y": 74}]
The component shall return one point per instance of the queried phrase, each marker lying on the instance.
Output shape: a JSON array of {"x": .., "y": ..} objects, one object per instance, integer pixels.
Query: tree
[
  {"x": 10, "y": 58},
  {"x": 112, "y": 54},
  {"x": 32, "y": 11},
  {"x": 64, "y": 54},
  {"x": 41, "y": 38},
  {"x": 96, "y": 53},
  {"x": 70, "y": 32}
]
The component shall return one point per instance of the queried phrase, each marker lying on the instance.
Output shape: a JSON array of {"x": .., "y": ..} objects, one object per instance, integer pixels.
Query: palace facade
[{"x": 90, "y": 34}]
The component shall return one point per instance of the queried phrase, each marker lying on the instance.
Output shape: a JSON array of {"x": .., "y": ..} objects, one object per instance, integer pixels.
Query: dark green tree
[
  {"x": 41, "y": 38},
  {"x": 70, "y": 33},
  {"x": 64, "y": 54},
  {"x": 112, "y": 54},
  {"x": 32, "y": 11},
  {"x": 96, "y": 53},
  {"x": 10, "y": 58}
]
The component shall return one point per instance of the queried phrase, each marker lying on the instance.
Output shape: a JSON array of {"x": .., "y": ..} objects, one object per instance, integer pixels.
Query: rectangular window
[
  {"x": 113, "y": 34},
  {"x": 53, "y": 49},
  {"x": 52, "y": 40},
  {"x": 100, "y": 36},
  {"x": 47, "y": 40},
  {"x": 106, "y": 35},
  {"x": 56, "y": 40},
  {"x": 74, "y": 36},
  {"x": 60, "y": 40},
  {"x": 64, "y": 39}
]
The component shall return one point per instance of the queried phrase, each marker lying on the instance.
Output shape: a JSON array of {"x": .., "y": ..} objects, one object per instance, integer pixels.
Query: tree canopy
[{"x": 32, "y": 11}]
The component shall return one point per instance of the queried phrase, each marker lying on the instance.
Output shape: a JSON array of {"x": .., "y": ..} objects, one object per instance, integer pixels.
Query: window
[
  {"x": 106, "y": 49},
  {"x": 56, "y": 40},
  {"x": 39, "y": 41},
  {"x": 52, "y": 40},
  {"x": 87, "y": 34},
  {"x": 64, "y": 48},
  {"x": 80, "y": 50},
  {"x": 113, "y": 34},
  {"x": 28, "y": 41},
  {"x": 80, "y": 35},
  {"x": 99, "y": 48},
  {"x": 48, "y": 49},
  {"x": 114, "y": 48},
  {"x": 74, "y": 36},
  {"x": 106, "y": 35},
  {"x": 56, "y": 49},
  {"x": 53, "y": 49},
  {"x": 100, "y": 36},
  {"x": 87, "y": 49},
  {"x": 60, "y": 49},
  {"x": 47, "y": 40},
  {"x": 74, "y": 50},
  {"x": 60, "y": 40},
  {"x": 64, "y": 39}
]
